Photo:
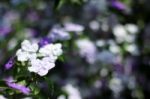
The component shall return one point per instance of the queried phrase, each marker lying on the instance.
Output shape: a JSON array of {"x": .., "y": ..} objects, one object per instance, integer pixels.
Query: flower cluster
[{"x": 40, "y": 60}]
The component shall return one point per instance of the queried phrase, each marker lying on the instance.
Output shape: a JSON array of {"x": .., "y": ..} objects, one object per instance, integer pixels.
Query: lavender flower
[
  {"x": 58, "y": 33},
  {"x": 21, "y": 88},
  {"x": 118, "y": 5},
  {"x": 9, "y": 64}
]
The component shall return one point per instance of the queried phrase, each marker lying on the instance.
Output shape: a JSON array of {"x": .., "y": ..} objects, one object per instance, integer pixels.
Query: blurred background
[{"x": 106, "y": 45}]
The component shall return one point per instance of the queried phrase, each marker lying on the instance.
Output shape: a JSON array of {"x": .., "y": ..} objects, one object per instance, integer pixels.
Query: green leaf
[
  {"x": 34, "y": 88},
  {"x": 60, "y": 4}
]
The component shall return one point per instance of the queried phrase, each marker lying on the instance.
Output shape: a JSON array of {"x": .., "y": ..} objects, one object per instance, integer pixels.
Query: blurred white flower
[
  {"x": 120, "y": 33},
  {"x": 61, "y": 97},
  {"x": 94, "y": 25},
  {"x": 87, "y": 49},
  {"x": 131, "y": 28},
  {"x": 125, "y": 33},
  {"x": 104, "y": 25},
  {"x": 114, "y": 48},
  {"x": 2, "y": 97},
  {"x": 73, "y": 92},
  {"x": 72, "y": 27},
  {"x": 132, "y": 48},
  {"x": 115, "y": 85},
  {"x": 100, "y": 43},
  {"x": 12, "y": 43},
  {"x": 103, "y": 72}
]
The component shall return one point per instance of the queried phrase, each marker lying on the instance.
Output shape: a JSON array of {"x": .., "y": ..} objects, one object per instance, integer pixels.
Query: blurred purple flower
[
  {"x": 10, "y": 63},
  {"x": 21, "y": 88},
  {"x": 118, "y": 5},
  {"x": 4, "y": 31},
  {"x": 58, "y": 33}
]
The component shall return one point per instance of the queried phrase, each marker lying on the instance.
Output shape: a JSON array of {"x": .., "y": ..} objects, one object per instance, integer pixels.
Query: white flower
[
  {"x": 47, "y": 64},
  {"x": 22, "y": 56},
  {"x": 40, "y": 67},
  {"x": 57, "y": 51},
  {"x": 27, "y": 51},
  {"x": 47, "y": 54},
  {"x": 35, "y": 65},
  {"x": 42, "y": 72},
  {"x": 32, "y": 56},
  {"x": 50, "y": 58},
  {"x": 27, "y": 46},
  {"x": 46, "y": 50},
  {"x": 51, "y": 49}
]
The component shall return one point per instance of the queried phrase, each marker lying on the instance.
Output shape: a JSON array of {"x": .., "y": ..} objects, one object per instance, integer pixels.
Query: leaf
[
  {"x": 50, "y": 85},
  {"x": 34, "y": 88},
  {"x": 60, "y": 4}
]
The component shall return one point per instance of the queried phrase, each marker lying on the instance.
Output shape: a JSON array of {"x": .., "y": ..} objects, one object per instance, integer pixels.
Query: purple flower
[
  {"x": 45, "y": 41},
  {"x": 21, "y": 88},
  {"x": 9, "y": 64},
  {"x": 118, "y": 5}
]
